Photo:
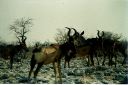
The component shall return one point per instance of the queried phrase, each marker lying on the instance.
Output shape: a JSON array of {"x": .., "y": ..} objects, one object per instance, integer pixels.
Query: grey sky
[{"x": 49, "y": 15}]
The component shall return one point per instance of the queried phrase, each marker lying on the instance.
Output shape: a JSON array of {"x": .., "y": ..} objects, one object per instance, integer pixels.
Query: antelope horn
[
  {"x": 67, "y": 27},
  {"x": 102, "y": 33},
  {"x": 75, "y": 30},
  {"x": 98, "y": 33},
  {"x": 69, "y": 30}
]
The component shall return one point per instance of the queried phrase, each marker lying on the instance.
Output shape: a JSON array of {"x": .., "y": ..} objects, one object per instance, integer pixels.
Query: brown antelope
[
  {"x": 81, "y": 45},
  {"x": 92, "y": 46},
  {"x": 9, "y": 51},
  {"x": 85, "y": 47},
  {"x": 123, "y": 48},
  {"x": 51, "y": 54},
  {"x": 111, "y": 49},
  {"x": 97, "y": 45},
  {"x": 68, "y": 53}
]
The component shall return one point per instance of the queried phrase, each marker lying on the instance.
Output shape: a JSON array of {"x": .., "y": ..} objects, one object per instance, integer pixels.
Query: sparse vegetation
[{"x": 78, "y": 73}]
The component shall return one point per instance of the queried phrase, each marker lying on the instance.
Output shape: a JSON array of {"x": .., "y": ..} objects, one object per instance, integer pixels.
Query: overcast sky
[{"x": 49, "y": 15}]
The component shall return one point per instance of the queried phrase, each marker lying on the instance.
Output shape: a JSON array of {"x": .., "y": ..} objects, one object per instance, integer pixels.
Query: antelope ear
[{"x": 82, "y": 33}]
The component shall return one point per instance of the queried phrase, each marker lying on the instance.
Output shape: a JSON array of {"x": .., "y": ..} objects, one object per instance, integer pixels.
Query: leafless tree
[
  {"x": 111, "y": 35},
  {"x": 61, "y": 36},
  {"x": 21, "y": 28}
]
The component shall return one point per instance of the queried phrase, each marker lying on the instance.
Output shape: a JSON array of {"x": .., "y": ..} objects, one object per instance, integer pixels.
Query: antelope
[
  {"x": 9, "y": 51},
  {"x": 68, "y": 55},
  {"x": 121, "y": 47},
  {"x": 111, "y": 48},
  {"x": 124, "y": 51},
  {"x": 91, "y": 46},
  {"x": 95, "y": 46},
  {"x": 83, "y": 47},
  {"x": 51, "y": 54}
]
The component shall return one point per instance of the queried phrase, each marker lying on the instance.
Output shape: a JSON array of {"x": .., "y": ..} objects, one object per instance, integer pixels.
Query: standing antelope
[
  {"x": 9, "y": 51},
  {"x": 83, "y": 47},
  {"x": 51, "y": 54}
]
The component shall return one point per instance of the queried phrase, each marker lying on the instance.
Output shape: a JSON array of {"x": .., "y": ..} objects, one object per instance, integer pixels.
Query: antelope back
[{"x": 47, "y": 55}]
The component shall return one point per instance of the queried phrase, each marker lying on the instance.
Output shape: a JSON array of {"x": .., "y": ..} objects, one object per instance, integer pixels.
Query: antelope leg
[
  {"x": 54, "y": 67},
  {"x": 37, "y": 70},
  {"x": 59, "y": 70}
]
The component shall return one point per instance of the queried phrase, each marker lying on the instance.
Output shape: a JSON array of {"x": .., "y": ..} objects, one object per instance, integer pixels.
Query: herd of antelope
[{"x": 76, "y": 45}]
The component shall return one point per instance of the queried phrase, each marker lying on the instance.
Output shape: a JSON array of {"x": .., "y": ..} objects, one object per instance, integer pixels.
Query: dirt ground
[{"x": 78, "y": 73}]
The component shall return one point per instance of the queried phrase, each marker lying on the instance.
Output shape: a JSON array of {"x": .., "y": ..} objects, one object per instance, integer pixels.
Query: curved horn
[
  {"x": 69, "y": 30},
  {"x": 102, "y": 33},
  {"x": 98, "y": 33},
  {"x": 67, "y": 27},
  {"x": 75, "y": 30}
]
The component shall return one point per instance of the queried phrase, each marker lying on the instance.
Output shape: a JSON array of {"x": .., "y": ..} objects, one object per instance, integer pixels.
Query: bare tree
[
  {"x": 38, "y": 44},
  {"x": 21, "y": 28},
  {"x": 113, "y": 36},
  {"x": 61, "y": 36}
]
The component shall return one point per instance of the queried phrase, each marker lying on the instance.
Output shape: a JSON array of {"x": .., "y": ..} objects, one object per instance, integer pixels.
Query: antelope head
[{"x": 78, "y": 38}]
